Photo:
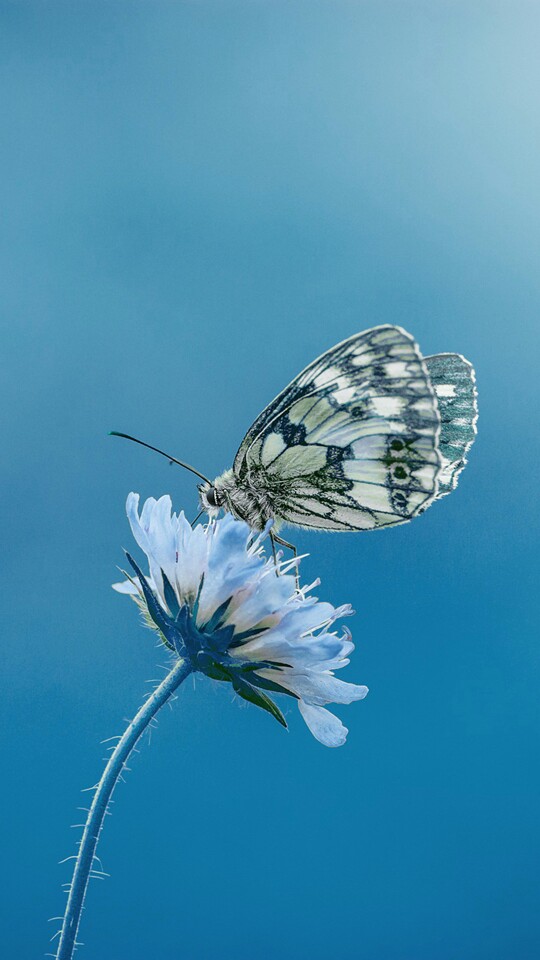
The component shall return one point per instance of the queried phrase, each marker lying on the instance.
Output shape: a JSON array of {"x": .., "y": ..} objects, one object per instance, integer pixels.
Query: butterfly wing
[
  {"x": 454, "y": 383},
  {"x": 352, "y": 442}
]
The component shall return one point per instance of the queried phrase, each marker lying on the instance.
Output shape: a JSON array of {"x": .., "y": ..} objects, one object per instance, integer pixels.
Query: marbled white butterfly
[{"x": 367, "y": 436}]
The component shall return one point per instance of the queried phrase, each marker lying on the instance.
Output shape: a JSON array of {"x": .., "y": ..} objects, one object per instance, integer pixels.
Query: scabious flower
[{"x": 214, "y": 598}]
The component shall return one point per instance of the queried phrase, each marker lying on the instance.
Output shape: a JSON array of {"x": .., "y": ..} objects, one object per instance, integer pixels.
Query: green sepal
[
  {"x": 167, "y": 629},
  {"x": 211, "y": 668},
  {"x": 195, "y": 610},
  {"x": 160, "y": 618},
  {"x": 241, "y": 638},
  {"x": 266, "y": 684},
  {"x": 215, "y": 620},
  {"x": 170, "y": 596},
  {"x": 245, "y": 690},
  {"x": 249, "y": 667}
]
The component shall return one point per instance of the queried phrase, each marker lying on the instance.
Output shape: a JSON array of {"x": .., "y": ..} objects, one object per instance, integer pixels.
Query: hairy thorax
[{"x": 239, "y": 497}]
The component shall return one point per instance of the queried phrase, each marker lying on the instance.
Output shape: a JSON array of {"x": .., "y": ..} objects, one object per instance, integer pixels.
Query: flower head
[{"x": 216, "y": 598}]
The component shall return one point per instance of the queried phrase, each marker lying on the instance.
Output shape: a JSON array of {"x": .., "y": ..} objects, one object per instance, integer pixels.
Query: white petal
[
  {"x": 127, "y": 586},
  {"x": 161, "y": 531},
  {"x": 153, "y": 531},
  {"x": 267, "y": 596},
  {"x": 299, "y": 652},
  {"x": 324, "y": 726},
  {"x": 230, "y": 566},
  {"x": 191, "y": 548},
  {"x": 324, "y": 652},
  {"x": 132, "y": 510},
  {"x": 328, "y": 666},
  {"x": 346, "y": 649},
  {"x": 320, "y": 688}
]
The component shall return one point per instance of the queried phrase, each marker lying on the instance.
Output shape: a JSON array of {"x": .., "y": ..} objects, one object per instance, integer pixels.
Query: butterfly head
[
  {"x": 220, "y": 494},
  {"x": 212, "y": 498}
]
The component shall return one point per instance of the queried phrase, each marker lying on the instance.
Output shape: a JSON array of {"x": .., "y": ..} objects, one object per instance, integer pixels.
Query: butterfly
[{"x": 368, "y": 436}]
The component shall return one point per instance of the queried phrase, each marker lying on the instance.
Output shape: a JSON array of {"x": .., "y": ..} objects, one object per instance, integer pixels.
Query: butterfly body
[
  {"x": 243, "y": 498},
  {"x": 367, "y": 436}
]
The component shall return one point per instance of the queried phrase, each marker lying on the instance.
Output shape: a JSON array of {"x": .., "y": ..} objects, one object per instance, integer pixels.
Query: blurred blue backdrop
[{"x": 197, "y": 199}]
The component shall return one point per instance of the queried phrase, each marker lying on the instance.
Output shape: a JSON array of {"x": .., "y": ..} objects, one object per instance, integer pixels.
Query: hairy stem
[{"x": 104, "y": 789}]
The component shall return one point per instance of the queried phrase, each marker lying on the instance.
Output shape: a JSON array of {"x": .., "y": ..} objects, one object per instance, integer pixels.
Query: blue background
[{"x": 197, "y": 199}]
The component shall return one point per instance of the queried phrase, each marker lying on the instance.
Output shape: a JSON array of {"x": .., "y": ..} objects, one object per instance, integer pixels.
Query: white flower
[{"x": 215, "y": 598}]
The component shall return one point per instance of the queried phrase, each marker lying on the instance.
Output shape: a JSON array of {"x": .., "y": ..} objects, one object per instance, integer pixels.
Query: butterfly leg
[
  {"x": 274, "y": 554},
  {"x": 290, "y": 546},
  {"x": 193, "y": 522}
]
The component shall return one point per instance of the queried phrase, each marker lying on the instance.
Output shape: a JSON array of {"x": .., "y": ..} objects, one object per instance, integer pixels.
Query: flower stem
[{"x": 104, "y": 789}]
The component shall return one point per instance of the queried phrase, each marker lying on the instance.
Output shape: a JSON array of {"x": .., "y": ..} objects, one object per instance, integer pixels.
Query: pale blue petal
[
  {"x": 161, "y": 536},
  {"x": 132, "y": 510},
  {"x": 127, "y": 586},
  {"x": 325, "y": 727},
  {"x": 294, "y": 633},
  {"x": 298, "y": 619},
  {"x": 299, "y": 653},
  {"x": 191, "y": 556},
  {"x": 143, "y": 529},
  {"x": 320, "y": 688},
  {"x": 263, "y": 598},
  {"x": 229, "y": 567}
]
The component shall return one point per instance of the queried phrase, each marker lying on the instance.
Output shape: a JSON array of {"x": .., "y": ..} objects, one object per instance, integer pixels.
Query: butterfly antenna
[{"x": 126, "y": 436}]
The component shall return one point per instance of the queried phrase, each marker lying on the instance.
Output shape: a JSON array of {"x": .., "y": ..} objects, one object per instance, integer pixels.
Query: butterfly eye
[{"x": 211, "y": 497}]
